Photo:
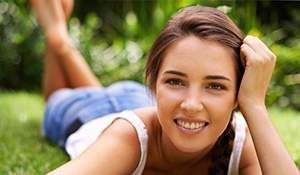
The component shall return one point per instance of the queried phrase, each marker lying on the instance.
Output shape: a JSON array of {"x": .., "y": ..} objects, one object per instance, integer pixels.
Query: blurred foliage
[
  {"x": 115, "y": 36},
  {"x": 20, "y": 45}
]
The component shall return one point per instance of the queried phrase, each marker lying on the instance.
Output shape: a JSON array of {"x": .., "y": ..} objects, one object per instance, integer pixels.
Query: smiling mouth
[{"x": 190, "y": 125}]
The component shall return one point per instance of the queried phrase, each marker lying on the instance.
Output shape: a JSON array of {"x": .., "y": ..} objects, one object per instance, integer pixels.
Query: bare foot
[
  {"x": 52, "y": 15},
  {"x": 68, "y": 6}
]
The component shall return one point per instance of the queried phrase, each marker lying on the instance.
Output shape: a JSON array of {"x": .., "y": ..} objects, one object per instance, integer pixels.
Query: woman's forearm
[{"x": 272, "y": 154}]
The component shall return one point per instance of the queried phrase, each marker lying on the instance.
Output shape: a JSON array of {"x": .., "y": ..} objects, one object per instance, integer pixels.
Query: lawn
[{"x": 24, "y": 151}]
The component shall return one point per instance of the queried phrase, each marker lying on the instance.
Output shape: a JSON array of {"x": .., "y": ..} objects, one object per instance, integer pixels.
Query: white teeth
[
  {"x": 187, "y": 125},
  {"x": 193, "y": 126}
]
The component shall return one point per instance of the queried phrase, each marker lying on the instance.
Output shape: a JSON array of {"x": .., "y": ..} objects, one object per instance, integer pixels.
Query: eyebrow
[
  {"x": 216, "y": 77},
  {"x": 209, "y": 77},
  {"x": 175, "y": 72}
]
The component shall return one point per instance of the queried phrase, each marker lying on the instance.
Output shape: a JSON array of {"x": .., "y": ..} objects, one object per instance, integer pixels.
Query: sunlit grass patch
[{"x": 287, "y": 122}]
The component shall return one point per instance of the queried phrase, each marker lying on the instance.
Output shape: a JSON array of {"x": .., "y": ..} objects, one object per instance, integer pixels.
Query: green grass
[
  {"x": 287, "y": 122},
  {"x": 22, "y": 148},
  {"x": 24, "y": 151}
]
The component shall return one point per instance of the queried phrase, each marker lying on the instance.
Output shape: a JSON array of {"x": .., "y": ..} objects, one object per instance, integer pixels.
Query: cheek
[
  {"x": 221, "y": 108},
  {"x": 164, "y": 102},
  {"x": 164, "y": 96},
  {"x": 222, "y": 114},
  {"x": 167, "y": 103},
  {"x": 221, "y": 102}
]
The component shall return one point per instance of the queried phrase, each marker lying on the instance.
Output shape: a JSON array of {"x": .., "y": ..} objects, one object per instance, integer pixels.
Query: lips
[{"x": 190, "y": 125}]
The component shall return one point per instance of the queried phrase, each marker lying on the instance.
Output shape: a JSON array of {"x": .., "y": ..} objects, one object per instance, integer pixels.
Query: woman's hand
[{"x": 259, "y": 63}]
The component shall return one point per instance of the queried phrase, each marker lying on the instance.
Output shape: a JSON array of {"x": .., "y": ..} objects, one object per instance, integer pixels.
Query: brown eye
[
  {"x": 216, "y": 87},
  {"x": 175, "y": 82}
]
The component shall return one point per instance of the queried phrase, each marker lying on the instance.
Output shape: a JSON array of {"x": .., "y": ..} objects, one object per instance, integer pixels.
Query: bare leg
[
  {"x": 53, "y": 77},
  {"x": 64, "y": 65}
]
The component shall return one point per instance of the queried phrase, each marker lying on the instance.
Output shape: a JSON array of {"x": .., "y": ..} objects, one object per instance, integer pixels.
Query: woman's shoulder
[{"x": 149, "y": 118}]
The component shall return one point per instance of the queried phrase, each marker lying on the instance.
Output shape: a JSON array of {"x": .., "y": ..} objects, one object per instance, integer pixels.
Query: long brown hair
[{"x": 209, "y": 24}]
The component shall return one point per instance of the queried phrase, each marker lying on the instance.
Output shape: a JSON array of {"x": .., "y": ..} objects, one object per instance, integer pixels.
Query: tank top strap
[
  {"x": 142, "y": 135},
  {"x": 240, "y": 136}
]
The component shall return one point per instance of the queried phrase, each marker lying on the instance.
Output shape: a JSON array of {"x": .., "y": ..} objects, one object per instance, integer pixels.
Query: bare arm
[
  {"x": 116, "y": 151},
  {"x": 249, "y": 163},
  {"x": 259, "y": 63}
]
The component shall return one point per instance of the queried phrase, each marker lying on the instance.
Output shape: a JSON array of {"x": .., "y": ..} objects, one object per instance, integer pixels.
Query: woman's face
[{"x": 196, "y": 92}]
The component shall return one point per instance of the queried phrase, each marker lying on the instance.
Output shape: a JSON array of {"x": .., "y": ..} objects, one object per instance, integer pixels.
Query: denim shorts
[{"x": 87, "y": 103}]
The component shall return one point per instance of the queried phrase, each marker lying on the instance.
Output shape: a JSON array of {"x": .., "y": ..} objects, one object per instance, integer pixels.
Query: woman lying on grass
[{"x": 200, "y": 71}]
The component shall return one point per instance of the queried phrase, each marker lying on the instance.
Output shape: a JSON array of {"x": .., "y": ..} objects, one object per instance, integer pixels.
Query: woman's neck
[
  {"x": 175, "y": 156},
  {"x": 166, "y": 158}
]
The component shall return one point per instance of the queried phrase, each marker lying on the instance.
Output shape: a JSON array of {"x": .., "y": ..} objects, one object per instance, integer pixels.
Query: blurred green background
[{"x": 114, "y": 37}]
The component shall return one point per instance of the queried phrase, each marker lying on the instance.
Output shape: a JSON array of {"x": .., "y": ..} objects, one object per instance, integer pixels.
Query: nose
[{"x": 192, "y": 103}]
